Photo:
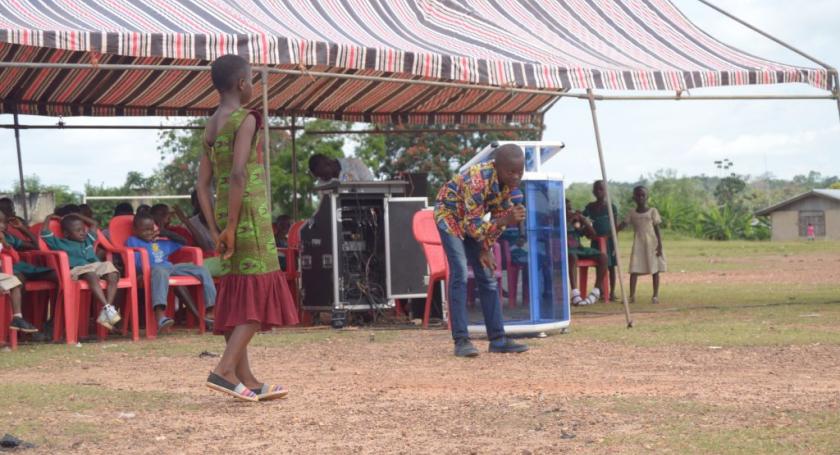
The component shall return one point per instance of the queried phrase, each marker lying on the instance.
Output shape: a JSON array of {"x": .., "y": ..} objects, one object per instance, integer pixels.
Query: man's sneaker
[
  {"x": 112, "y": 314},
  {"x": 103, "y": 320},
  {"x": 464, "y": 348},
  {"x": 165, "y": 322},
  {"x": 20, "y": 324},
  {"x": 506, "y": 345}
]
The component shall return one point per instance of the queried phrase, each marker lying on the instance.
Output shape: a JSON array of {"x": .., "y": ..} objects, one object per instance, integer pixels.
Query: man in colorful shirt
[{"x": 460, "y": 210}]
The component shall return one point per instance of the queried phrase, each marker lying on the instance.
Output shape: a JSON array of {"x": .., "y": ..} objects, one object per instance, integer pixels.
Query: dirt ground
[
  {"x": 402, "y": 391},
  {"x": 407, "y": 394}
]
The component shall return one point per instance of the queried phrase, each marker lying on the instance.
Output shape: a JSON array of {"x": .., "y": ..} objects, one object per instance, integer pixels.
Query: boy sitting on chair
[
  {"x": 9, "y": 284},
  {"x": 80, "y": 236},
  {"x": 577, "y": 225},
  {"x": 147, "y": 236}
]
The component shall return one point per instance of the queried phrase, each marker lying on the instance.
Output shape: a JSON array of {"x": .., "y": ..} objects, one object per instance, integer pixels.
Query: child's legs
[
  {"x": 634, "y": 277},
  {"x": 203, "y": 275},
  {"x": 612, "y": 281},
  {"x": 112, "y": 279},
  {"x": 237, "y": 342},
  {"x": 159, "y": 277},
  {"x": 573, "y": 270},
  {"x": 243, "y": 369},
  {"x": 601, "y": 270},
  {"x": 93, "y": 283},
  {"x": 16, "y": 296},
  {"x": 656, "y": 284}
]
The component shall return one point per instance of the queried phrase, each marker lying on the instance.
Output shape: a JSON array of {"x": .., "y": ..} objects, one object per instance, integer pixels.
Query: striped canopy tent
[
  {"x": 497, "y": 61},
  {"x": 382, "y": 61}
]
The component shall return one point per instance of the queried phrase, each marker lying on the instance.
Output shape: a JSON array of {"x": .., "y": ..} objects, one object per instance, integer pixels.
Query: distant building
[{"x": 790, "y": 218}]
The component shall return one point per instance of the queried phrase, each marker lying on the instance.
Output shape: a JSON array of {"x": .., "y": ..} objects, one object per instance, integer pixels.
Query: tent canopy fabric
[{"x": 551, "y": 45}]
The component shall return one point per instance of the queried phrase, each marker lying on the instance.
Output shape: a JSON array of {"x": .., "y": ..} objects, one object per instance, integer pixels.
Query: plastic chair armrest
[{"x": 190, "y": 254}]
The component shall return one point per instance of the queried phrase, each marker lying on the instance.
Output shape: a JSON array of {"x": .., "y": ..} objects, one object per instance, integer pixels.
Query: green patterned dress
[{"x": 252, "y": 288}]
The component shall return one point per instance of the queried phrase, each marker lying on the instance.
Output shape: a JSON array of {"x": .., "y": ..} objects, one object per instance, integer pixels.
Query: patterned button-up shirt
[{"x": 463, "y": 202}]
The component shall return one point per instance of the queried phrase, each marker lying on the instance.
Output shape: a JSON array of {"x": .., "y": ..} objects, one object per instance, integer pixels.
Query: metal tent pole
[
  {"x": 20, "y": 170},
  {"x": 613, "y": 230},
  {"x": 266, "y": 139},
  {"x": 294, "y": 169}
]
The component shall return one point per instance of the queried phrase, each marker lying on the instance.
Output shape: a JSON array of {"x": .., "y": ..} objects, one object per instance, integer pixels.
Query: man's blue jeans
[
  {"x": 459, "y": 253},
  {"x": 160, "y": 282}
]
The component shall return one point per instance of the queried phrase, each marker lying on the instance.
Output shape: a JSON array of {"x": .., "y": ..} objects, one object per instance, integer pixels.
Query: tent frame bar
[
  {"x": 832, "y": 71},
  {"x": 374, "y": 131},
  {"x": 23, "y": 198}
]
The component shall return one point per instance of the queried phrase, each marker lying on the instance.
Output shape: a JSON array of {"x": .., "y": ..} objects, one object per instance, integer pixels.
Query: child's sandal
[
  {"x": 238, "y": 391},
  {"x": 654, "y": 300},
  {"x": 270, "y": 392}
]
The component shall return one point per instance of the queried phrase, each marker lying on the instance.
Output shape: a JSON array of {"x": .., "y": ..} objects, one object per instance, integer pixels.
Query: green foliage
[
  {"x": 62, "y": 193},
  {"x": 437, "y": 154},
  {"x": 306, "y": 145}
]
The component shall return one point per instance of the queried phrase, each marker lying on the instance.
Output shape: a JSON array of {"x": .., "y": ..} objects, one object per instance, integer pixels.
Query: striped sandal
[
  {"x": 238, "y": 391},
  {"x": 269, "y": 392}
]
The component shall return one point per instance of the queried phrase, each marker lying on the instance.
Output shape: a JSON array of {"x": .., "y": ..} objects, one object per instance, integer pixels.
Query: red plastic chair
[
  {"x": 583, "y": 270},
  {"x": 497, "y": 256},
  {"x": 513, "y": 277},
  {"x": 74, "y": 311},
  {"x": 426, "y": 233},
  {"x": 121, "y": 228},
  {"x": 7, "y": 336},
  {"x": 41, "y": 292}
]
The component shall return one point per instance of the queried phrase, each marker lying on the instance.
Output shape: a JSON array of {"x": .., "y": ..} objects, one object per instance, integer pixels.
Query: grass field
[{"x": 741, "y": 356}]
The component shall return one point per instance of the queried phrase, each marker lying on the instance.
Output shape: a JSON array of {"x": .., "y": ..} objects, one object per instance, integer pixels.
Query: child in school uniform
[{"x": 80, "y": 236}]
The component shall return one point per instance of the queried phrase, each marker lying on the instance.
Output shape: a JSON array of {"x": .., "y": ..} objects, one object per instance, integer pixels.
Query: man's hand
[
  {"x": 659, "y": 250},
  {"x": 515, "y": 216},
  {"x": 487, "y": 260},
  {"x": 226, "y": 242}
]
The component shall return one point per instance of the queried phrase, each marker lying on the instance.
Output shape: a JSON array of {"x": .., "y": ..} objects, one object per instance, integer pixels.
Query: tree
[
  {"x": 62, "y": 193},
  {"x": 438, "y": 154}
]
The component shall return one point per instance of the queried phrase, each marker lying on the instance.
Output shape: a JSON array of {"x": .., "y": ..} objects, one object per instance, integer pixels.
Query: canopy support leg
[
  {"x": 294, "y": 169},
  {"x": 266, "y": 139},
  {"x": 23, "y": 198},
  {"x": 613, "y": 230}
]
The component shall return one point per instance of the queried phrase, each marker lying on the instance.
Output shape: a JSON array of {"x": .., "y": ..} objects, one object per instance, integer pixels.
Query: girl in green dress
[{"x": 253, "y": 294}]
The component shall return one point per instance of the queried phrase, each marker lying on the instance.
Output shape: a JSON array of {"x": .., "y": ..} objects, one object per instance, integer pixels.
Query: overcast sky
[{"x": 784, "y": 138}]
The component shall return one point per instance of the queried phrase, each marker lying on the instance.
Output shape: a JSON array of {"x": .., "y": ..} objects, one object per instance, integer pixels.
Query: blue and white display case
[
  {"x": 537, "y": 153},
  {"x": 547, "y": 309}
]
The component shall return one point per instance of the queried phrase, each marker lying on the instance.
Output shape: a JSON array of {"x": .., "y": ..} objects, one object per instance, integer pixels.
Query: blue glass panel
[
  {"x": 530, "y": 158},
  {"x": 546, "y": 230}
]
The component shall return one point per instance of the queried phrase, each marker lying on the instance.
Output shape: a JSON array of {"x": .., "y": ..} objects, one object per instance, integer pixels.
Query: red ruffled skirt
[{"x": 254, "y": 298}]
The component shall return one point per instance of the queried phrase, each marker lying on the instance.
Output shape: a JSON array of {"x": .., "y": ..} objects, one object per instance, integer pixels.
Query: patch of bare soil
[
  {"x": 781, "y": 269},
  {"x": 408, "y": 394}
]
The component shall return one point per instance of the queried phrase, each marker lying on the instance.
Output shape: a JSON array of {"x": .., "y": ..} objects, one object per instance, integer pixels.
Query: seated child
[
  {"x": 80, "y": 235},
  {"x": 23, "y": 270},
  {"x": 146, "y": 236},
  {"x": 162, "y": 215},
  {"x": 577, "y": 225},
  {"x": 9, "y": 284}
]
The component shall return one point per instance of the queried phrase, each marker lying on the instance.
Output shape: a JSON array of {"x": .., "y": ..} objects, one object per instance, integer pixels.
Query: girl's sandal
[
  {"x": 577, "y": 300},
  {"x": 270, "y": 392},
  {"x": 654, "y": 300},
  {"x": 238, "y": 391}
]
